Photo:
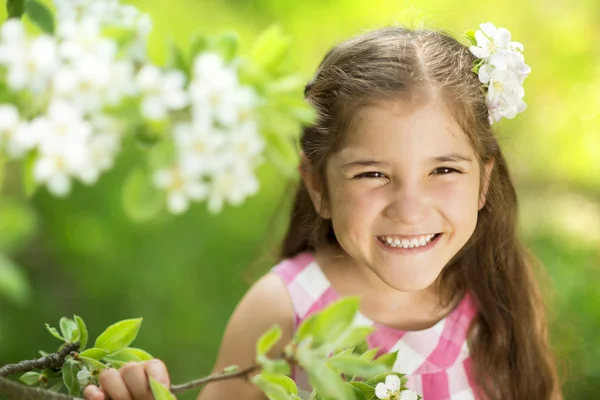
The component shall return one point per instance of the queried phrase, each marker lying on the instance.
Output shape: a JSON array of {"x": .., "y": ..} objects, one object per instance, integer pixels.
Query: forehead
[{"x": 401, "y": 127}]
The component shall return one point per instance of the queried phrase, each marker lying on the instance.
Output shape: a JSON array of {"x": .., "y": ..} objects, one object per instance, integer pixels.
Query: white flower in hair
[
  {"x": 491, "y": 40},
  {"x": 501, "y": 69}
]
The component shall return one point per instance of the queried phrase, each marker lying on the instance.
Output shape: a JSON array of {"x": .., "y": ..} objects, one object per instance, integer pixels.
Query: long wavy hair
[{"x": 508, "y": 337}]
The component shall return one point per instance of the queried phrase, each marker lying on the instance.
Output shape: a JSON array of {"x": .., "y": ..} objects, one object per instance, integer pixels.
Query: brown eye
[
  {"x": 445, "y": 171},
  {"x": 372, "y": 174}
]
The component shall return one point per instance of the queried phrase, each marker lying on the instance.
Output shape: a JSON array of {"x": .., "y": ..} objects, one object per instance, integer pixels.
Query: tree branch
[
  {"x": 53, "y": 361},
  {"x": 184, "y": 387},
  {"x": 11, "y": 390}
]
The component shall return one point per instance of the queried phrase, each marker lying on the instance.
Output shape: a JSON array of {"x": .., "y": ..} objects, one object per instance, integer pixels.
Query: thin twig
[
  {"x": 184, "y": 387},
  {"x": 53, "y": 361}
]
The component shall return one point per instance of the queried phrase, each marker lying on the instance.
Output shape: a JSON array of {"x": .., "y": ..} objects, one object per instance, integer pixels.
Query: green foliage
[
  {"x": 15, "y": 8},
  {"x": 118, "y": 335},
  {"x": 159, "y": 391},
  {"x": 40, "y": 15}
]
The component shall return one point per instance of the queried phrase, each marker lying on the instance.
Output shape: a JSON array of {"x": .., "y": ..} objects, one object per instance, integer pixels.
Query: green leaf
[
  {"x": 268, "y": 340},
  {"x": 15, "y": 8},
  {"x": 274, "y": 391},
  {"x": 471, "y": 36},
  {"x": 198, "y": 44},
  {"x": 129, "y": 354},
  {"x": 160, "y": 391},
  {"x": 69, "y": 371},
  {"x": 83, "y": 332},
  {"x": 387, "y": 359},
  {"x": 368, "y": 391},
  {"x": 13, "y": 282},
  {"x": 177, "y": 59},
  {"x": 56, "y": 387},
  {"x": 270, "y": 48},
  {"x": 68, "y": 328},
  {"x": 329, "y": 384},
  {"x": 30, "y": 378},
  {"x": 353, "y": 336},
  {"x": 141, "y": 200},
  {"x": 231, "y": 369},
  {"x": 370, "y": 354},
  {"x": 335, "y": 319},
  {"x": 278, "y": 366},
  {"x": 30, "y": 185},
  {"x": 358, "y": 394},
  {"x": 95, "y": 353},
  {"x": 119, "y": 335},
  {"x": 353, "y": 365},
  {"x": 93, "y": 365},
  {"x": 40, "y": 15},
  {"x": 55, "y": 333},
  {"x": 227, "y": 45},
  {"x": 305, "y": 329},
  {"x": 284, "y": 381}
]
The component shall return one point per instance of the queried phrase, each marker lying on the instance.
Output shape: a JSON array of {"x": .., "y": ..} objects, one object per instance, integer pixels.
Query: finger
[
  {"x": 158, "y": 370},
  {"x": 135, "y": 378},
  {"x": 113, "y": 384},
  {"x": 92, "y": 392}
]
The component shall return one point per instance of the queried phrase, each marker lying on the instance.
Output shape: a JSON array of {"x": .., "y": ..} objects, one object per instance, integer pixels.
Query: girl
[{"x": 405, "y": 201}]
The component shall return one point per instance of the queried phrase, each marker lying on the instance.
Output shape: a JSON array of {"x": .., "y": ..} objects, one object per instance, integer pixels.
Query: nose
[{"x": 408, "y": 204}]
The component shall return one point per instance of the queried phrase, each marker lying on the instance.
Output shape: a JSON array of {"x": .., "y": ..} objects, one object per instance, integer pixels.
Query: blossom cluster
[
  {"x": 76, "y": 83},
  {"x": 392, "y": 390},
  {"x": 501, "y": 70}
]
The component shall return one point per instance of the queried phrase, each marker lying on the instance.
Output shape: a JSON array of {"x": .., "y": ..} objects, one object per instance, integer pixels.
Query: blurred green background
[{"x": 185, "y": 274}]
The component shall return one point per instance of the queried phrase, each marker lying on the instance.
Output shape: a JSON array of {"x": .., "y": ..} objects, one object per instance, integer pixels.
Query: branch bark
[
  {"x": 184, "y": 387},
  {"x": 53, "y": 361}
]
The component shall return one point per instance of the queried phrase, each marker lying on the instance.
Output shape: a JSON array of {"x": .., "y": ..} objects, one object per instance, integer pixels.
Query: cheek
[
  {"x": 352, "y": 208},
  {"x": 460, "y": 200}
]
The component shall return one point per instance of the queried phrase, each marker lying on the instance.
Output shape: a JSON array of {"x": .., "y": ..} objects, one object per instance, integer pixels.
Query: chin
[{"x": 410, "y": 282}]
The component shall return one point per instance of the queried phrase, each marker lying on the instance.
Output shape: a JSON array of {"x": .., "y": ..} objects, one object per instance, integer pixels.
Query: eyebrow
[
  {"x": 451, "y": 158},
  {"x": 373, "y": 163}
]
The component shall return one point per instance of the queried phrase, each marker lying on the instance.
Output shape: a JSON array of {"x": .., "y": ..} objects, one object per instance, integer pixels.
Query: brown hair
[{"x": 508, "y": 337}]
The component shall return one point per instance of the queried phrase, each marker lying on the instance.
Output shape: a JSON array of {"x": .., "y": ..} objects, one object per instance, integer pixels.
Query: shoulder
[{"x": 265, "y": 304}]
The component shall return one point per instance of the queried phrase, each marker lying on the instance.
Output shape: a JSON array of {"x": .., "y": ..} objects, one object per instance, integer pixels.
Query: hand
[{"x": 128, "y": 383}]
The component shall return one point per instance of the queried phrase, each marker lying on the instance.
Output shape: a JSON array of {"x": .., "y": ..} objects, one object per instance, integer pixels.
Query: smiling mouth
[{"x": 395, "y": 242}]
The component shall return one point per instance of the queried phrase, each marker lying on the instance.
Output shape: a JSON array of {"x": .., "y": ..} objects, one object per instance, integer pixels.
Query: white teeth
[{"x": 405, "y": 243}]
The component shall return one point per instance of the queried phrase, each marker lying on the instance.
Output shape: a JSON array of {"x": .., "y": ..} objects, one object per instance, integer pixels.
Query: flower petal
[
  {"x": 392, "y": 383},
  {"x": 381, "y": 391}
]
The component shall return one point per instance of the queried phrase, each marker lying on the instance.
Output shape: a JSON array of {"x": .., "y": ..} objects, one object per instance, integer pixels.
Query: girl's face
[{"x": 404, "y": 192}]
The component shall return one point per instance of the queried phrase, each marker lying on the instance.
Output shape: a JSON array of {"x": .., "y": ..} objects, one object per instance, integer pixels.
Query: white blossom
[
  {"x": 390, "y": 389},
  {"x": 161, "y": 91},
  {"x": 30, "y": 64},
  {"x": 408, "y": 395},
  {"x": 84, "y": 376},
  {"x": 231, "y": 186},
  {"x": 10, "y": 129},
  {"x": 181, "y": 188},
  {"x": 502, "y": 71},
  {"x": 199, "y": 147},
  {"x": 491, "y": 40},
  {"x": 63, "y": 146}
]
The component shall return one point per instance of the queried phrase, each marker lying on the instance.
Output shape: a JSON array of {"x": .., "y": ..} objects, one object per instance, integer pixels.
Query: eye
[
  {"x": 445, "y": 171},
  {"x": 370, "y": 174}
]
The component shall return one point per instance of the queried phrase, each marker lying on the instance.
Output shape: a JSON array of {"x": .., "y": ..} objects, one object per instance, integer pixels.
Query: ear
[
  {"x": 487, "y": 171},
  {"x": 313, "y": 184}
]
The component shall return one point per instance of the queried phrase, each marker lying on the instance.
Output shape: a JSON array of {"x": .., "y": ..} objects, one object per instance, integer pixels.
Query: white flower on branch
[
  {"x": 181, "y": 188},
  {"x": 199, "y": 147},
  {"x": 231, "y": 186},
  {"x": 30, "y": 64},
  {"x": 161, "y": 92},
  {"x": 12, "y": 139},
  {"x": 63, "y": 147}
]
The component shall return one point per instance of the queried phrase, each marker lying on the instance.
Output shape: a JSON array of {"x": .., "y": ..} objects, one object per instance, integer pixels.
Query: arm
[{"x": 267, "y": 303}]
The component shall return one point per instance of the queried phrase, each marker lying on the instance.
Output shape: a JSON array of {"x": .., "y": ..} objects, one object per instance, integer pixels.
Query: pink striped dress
[{"x": 436, "y": 360}]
